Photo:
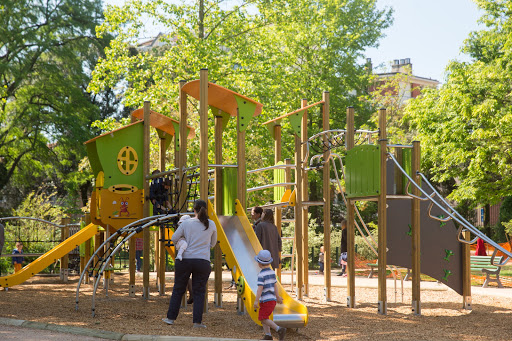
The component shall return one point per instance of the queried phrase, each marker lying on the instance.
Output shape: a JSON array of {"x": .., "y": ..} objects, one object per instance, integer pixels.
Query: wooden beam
[
  {"x": 327, "y": 201},
  {"x": 305, "y": 197},
  {"x": 466, "y": 273},
  {"x": 416, "y": 235},
  {"x": 146, "y": 213},
  {"x": 351, "y": 253},
  {"x": 298, "y": 218},
  {"x": 203, "y": 145},
  {"x": 160, "y": 234},
  {"x": 382, "y": 240},
  {"x": 182, "y": 154},
  {"x": 218, "y": 208},
  {"x": 279, "y": 213}
]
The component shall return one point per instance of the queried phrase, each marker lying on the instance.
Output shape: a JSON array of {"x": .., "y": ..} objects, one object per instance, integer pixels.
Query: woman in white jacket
[{"x": 201, "y": 235}]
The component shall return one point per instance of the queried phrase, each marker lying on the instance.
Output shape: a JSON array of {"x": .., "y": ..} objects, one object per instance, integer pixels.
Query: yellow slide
[
  {"x": 170, "y": 249},
  {"x": 49, "y": 257},
  {"x": 240, "y": 245}
]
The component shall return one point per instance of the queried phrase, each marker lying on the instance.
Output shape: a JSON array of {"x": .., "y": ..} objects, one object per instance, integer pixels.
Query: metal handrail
[
  {"x": 270, "y": 186},
  {"x": 40, "y": 220},
  {"x": 269, "y": 168},
  {"x": 455, "y": 216}
]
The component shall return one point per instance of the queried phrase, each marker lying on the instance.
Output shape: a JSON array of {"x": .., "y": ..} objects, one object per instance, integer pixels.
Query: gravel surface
[{"x": 45, "y": 299}]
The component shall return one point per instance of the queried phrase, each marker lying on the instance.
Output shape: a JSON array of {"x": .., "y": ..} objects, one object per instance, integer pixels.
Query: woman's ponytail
[{"x": 202, "y": 213}]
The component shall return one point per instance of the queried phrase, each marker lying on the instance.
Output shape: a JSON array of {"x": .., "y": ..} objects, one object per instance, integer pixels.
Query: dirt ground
[{"x": 47, "y": 299}]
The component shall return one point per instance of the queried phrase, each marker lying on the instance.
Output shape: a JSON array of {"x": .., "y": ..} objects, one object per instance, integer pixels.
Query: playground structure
[{"x": 119, "y": 202}]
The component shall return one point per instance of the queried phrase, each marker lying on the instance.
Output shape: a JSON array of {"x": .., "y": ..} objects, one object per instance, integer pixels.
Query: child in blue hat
[{"x": 267, "y": 295}]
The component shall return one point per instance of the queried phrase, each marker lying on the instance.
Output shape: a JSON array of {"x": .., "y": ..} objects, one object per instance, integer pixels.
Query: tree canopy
[
  {"x": 466, "y": 126},
  {"x": 276, "y": 52},
  {"x": 47, "y": 52}
]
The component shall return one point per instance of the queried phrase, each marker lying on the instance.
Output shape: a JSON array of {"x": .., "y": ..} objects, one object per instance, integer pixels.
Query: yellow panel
[
  {"x": 120, "y": 209},
  {"x": 293, "y": 198},
  {"x": 286, "y": 196}
]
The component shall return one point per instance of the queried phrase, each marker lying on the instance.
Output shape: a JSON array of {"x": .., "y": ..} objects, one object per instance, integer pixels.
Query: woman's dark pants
[{"x": 200, "y": 270}]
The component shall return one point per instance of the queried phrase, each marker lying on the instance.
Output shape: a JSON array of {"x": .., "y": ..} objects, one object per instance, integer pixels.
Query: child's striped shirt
[{"x": 267, "y": 279}]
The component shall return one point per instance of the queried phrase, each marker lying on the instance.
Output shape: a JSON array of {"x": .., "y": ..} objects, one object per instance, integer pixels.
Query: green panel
[
  {"x": 176, "y": 126},
  {"x": 278, "y": 178},
  {"x": 229, "y": 190},
  {"x": 407, "y": 166},
  {"x": 296, "y": 121},
  {"x": 94, "y": 160},
  {"x": 246, "y": 111},
  {"x": 108, "y": 147},
  {"x": 225, "y": 116},
  {"x": 362, "y": 170},
  {"x": 163, "y": 135},
  {"x": 271, "y": 126}
]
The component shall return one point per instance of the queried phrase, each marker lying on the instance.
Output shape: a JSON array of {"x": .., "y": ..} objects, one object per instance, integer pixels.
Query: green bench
[
  {"x": 374, "y": 266},
  {"x": 483, "y": 264}
]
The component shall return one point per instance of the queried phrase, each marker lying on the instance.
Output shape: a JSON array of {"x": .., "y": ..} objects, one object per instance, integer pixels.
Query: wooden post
[
  {"x": 466, "y": 273},
  {"x": 145, "y": 233},
  {"x": 182, "y": 154},
  {"x": 298, "y": 217},
  {"x": 64, "y": 261},
  {"x": 97, "y": 243},
  {"x": 218, "y": 208},
  {"x": 277, "y": 158},
  {"x": 241, "y": 170},
  {"x": 382, "y": 303},
  {"x": 131, "y": 254},
  {"x": 131, "y": 266},
  {"x": 203, "y": 145},
  {"x": 87, "y": 251},
  {"x": 305, "y": 197},
  {"x": 160, "y": 234},
  {"x": 288, "y": 179},
  {"x": 351, "y": 253},
  {"x": 416, "y": 235},
  {"x": 327, "y": 201},
  {"x": 182, "y": 159}
]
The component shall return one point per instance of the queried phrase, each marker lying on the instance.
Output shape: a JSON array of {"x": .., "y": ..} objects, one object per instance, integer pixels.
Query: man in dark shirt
[
  {"x": 159, "y": 194},
  {"x": 343, "y": 248}
]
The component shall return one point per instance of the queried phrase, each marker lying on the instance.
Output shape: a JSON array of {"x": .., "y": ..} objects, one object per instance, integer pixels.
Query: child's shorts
[{"x": 266, "y": 309}]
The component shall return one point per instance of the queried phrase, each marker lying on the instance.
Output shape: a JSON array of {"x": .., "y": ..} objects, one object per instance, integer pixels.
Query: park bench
[
  {"x": 374, "y": 266},
  {"x": 483, "y": 264}
]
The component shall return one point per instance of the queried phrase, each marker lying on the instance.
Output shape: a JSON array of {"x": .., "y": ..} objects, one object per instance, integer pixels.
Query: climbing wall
[{"x": 441, "y": 252}]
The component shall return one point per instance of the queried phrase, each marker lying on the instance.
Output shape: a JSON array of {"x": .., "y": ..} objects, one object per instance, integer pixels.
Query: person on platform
[
  {"x": 269, "y": 237},
  {"x": 159, "y": 194}
]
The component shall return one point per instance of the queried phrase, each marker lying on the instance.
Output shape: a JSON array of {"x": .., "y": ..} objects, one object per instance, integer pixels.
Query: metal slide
[
  {"x": 240, "y": 245},
  {"x": 49, "y": 257}
]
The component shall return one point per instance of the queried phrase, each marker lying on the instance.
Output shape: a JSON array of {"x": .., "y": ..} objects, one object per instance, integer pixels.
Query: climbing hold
[
  {"x": 446, "y": 274},
  {"x": 449, "y": 253}
]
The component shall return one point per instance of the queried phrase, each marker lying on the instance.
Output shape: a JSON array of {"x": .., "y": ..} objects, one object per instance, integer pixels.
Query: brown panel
[{"x": 436, "y": 237}]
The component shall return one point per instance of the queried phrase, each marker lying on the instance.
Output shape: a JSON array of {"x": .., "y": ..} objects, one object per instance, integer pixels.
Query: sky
[{"x": 429, "y": 32}]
